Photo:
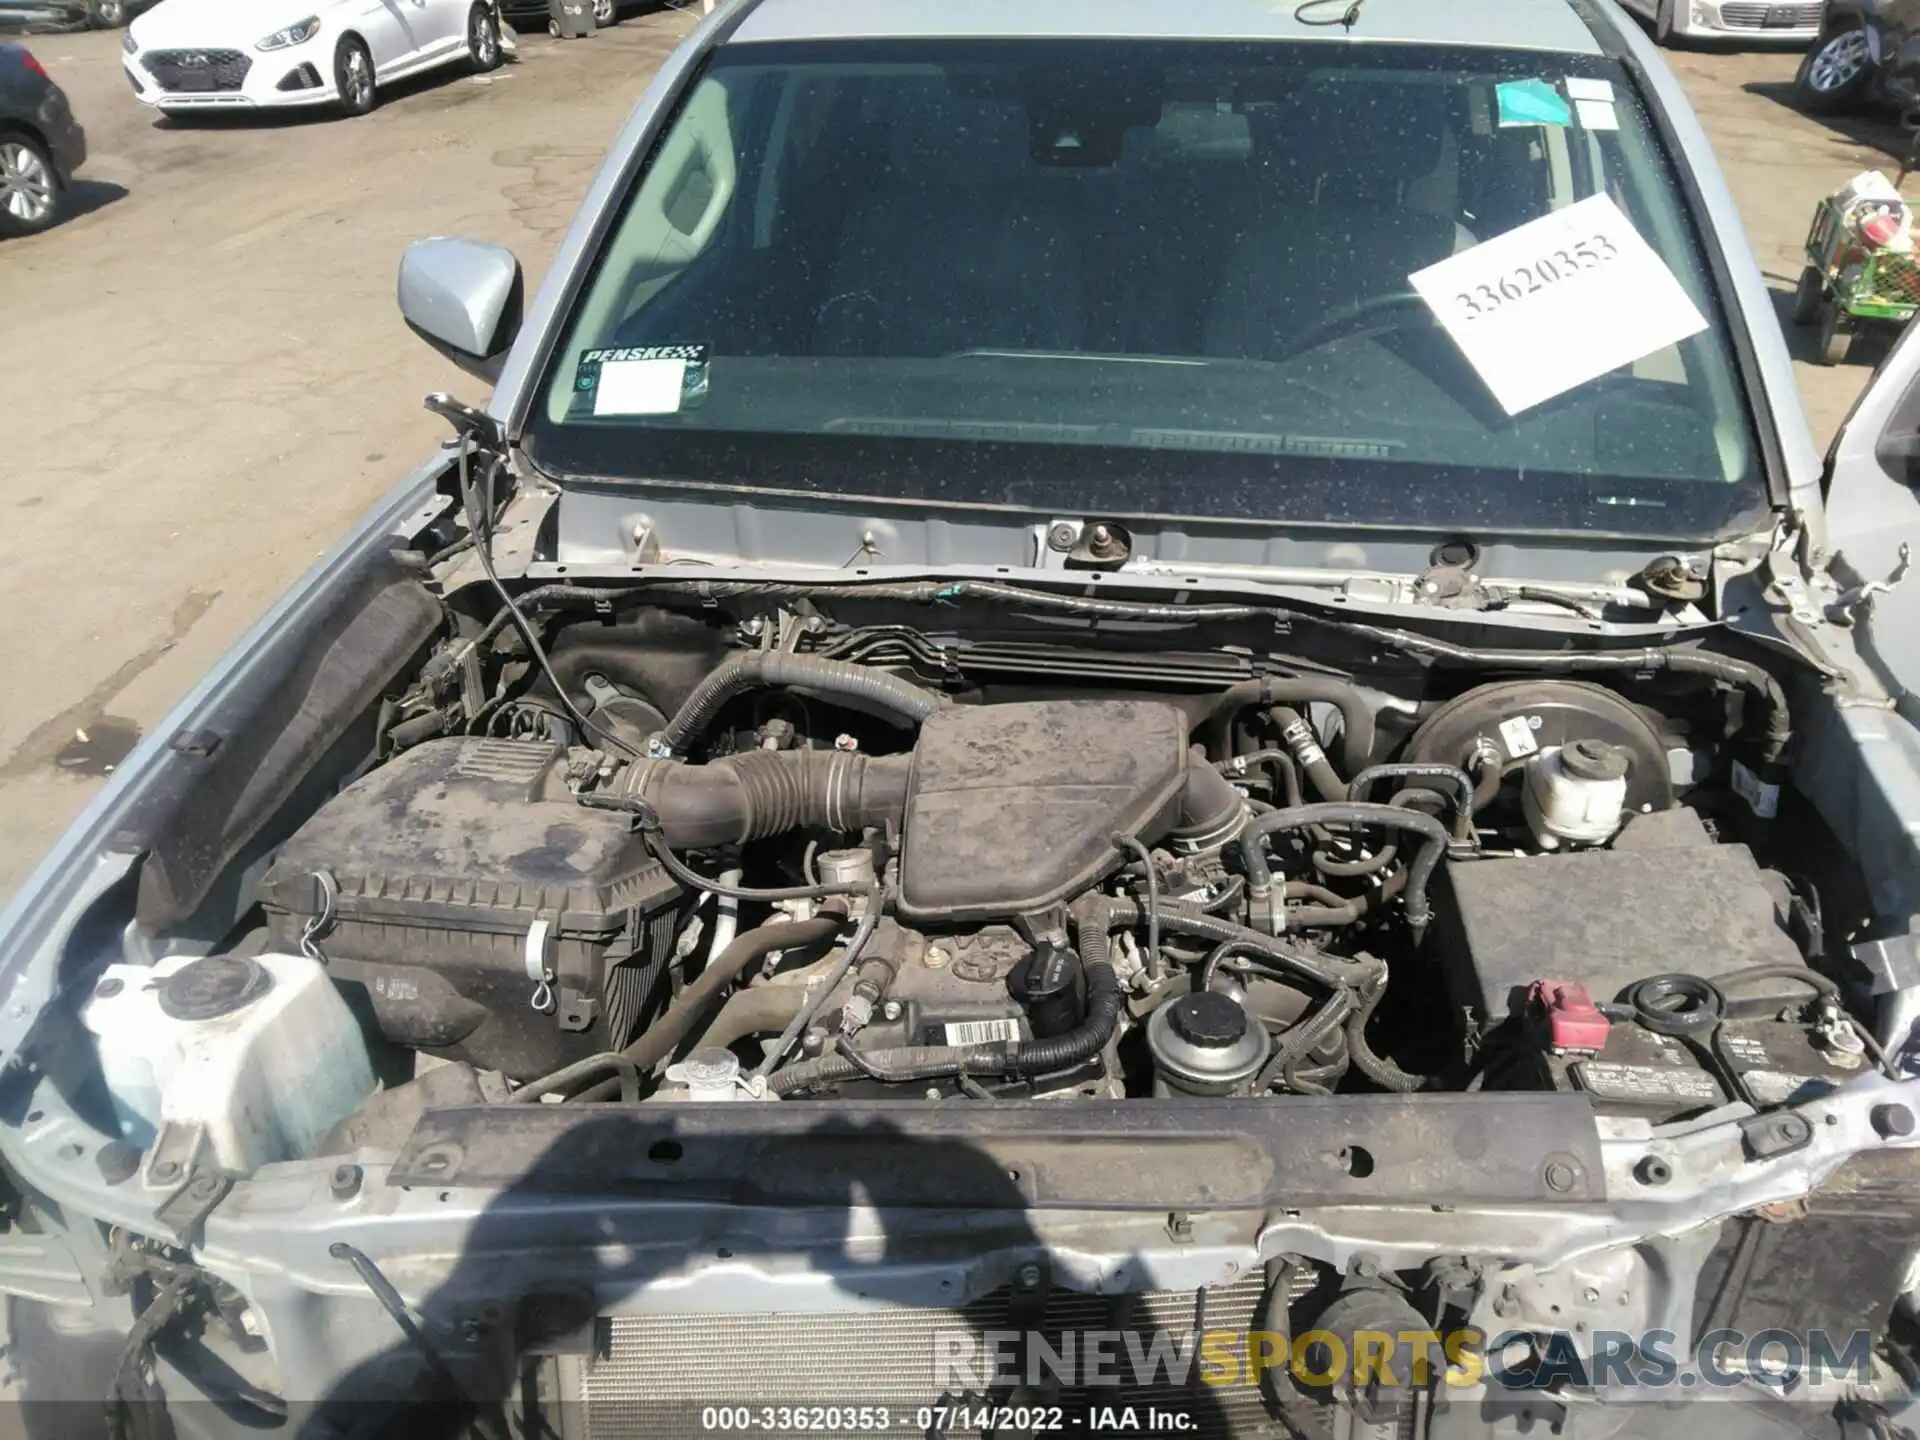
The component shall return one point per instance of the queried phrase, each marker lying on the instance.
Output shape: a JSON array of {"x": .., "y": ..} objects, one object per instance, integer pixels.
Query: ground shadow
[
  {"x": 85, "y": 196},
  {"x": 1872, "y": 128},
  {"x": 1871, "y": 342},
  {"x": 539, "y": 1287}
]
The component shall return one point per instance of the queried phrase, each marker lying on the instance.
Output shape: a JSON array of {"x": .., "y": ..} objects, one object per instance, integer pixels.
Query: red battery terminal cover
[{"x": 1572, "y": 1021}]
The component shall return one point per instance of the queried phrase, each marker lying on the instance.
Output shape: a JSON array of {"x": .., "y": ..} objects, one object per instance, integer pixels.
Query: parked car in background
[
  {"x": 186, "y": 56},
  {"x": 1677, "y": 21},
  {"x": 533, "y": 14},
  {"x": 1866, "y": 54},
  {"x": 41, "y": 145},
  {"x": 69, "y": 14},
  {"x": 977, "y": 489}
]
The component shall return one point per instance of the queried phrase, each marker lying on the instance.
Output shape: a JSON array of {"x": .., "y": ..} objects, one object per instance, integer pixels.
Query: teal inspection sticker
[{"x": 1531, "y": 102}]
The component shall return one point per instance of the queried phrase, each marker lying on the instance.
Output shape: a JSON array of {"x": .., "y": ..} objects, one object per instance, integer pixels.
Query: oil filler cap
[
  {"x": 1208, "y": 1020},
  {"x": 214, "y": 986}
]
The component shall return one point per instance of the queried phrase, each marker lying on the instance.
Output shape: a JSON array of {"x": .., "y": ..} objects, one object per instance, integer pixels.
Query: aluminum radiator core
[{"x": 652, "y": 1375}]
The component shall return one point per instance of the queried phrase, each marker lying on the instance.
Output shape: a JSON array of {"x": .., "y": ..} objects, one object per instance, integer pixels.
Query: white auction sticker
[
  {"x": 1557, "y": 302},
  {"x": 640, "y": 387}
]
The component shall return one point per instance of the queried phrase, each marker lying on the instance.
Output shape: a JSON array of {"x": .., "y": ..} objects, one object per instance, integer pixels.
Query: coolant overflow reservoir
[
  {"x": 259, "y": 1055},
  {"x": 1575, "y": 795}
]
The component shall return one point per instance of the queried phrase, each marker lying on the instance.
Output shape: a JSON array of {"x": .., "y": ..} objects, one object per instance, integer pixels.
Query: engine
[{"x": 866, "y": 863}]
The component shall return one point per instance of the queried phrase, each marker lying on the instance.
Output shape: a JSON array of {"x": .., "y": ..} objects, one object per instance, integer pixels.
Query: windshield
[{"x": 1190, "y": 279}]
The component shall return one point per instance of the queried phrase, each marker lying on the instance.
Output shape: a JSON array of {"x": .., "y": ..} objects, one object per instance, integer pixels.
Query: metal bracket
[
  {"x": 1846, "y": 608},
  {"x": 1765, "y": 1136},
  {"x": 186, "y": 1210}
]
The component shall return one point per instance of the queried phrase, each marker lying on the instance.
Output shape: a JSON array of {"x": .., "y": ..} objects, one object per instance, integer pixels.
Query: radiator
[{"x": 651, "y": 1377}]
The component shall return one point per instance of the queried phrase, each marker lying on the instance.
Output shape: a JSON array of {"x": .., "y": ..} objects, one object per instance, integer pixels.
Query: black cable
[
  {"x": 396, "y": 1307},
  {"x": 1132, "y": 843},
  {"x": 1294, "y": 1045},
  {"x": 817, "y": 997},
  {"x": 483, "y": 550}
]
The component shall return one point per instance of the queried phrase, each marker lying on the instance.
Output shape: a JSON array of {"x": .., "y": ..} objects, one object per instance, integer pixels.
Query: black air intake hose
[
  {"x": 769, "y": 792},
  {"x": 758, "y": 668}
]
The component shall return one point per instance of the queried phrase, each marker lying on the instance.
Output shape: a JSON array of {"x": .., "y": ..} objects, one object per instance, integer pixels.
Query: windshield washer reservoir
[{"x": 260, "y": 1057}]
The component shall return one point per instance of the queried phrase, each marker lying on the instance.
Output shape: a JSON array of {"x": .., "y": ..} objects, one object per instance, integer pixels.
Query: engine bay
[{"x": 842, "y": 845}]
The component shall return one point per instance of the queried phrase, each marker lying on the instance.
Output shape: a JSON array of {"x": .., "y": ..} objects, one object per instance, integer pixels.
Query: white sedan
[{"x": 194, "y": 55}]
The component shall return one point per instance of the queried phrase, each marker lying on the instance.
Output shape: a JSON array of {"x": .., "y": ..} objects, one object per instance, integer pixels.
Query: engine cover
[{"x": 1014, "y": 807}]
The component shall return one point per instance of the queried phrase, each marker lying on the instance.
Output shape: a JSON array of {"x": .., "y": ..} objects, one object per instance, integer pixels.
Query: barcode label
[{"x": 982, "y": 1032}]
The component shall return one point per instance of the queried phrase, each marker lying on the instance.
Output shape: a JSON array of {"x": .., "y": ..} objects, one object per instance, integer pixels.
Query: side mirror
[{"x": 464, "y": 298}]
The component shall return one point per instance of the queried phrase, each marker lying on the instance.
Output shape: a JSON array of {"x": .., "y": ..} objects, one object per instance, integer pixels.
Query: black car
[
  {"x": 41, "y": 145},
  {"x": 1868, "y": 53}
]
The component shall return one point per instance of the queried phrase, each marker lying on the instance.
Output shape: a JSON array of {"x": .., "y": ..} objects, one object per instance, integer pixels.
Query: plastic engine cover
[{"x": 1014, "y": 807}]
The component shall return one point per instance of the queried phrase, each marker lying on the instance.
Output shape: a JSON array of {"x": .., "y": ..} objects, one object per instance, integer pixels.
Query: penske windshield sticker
[
  {"x": 1557, "y": 302},
  {"x": 643, "y": 379}
]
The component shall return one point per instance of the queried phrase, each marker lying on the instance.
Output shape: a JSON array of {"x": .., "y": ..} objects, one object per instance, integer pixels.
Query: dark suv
[
  {"x": 1868, "y": 52},
  {"x": 41, "y": 145}
]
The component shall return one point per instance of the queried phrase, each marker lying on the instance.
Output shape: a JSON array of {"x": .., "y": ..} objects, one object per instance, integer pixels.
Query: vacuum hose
[{"x": 1353, "y": 812}]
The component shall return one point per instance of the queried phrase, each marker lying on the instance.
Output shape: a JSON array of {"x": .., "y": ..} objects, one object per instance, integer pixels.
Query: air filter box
[{"x": 486, "y": 915}]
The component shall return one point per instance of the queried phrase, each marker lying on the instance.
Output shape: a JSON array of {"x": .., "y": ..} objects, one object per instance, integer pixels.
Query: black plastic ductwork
[{"x": 770, "y": 792}]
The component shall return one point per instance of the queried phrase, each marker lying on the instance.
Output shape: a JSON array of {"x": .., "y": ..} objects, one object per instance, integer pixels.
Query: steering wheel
[{"x": 1377, "y": 314}]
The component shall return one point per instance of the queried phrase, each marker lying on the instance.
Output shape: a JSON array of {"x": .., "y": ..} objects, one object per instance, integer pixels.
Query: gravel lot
[{"x": 206, "y": 379}]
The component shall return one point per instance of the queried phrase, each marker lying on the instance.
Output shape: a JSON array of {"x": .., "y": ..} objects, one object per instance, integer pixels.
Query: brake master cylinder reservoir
[
  {"x": 259, "y": 1057},
  {"x": 1575, "y": 795}
]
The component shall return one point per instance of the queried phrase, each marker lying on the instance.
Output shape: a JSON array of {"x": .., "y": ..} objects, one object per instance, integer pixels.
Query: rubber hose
[
  {"x": 627, "y": 1072},
  {"x": 688, "y": 1008},
  {"x": 1419, "y": 872},
  {"x": 817, "y": 995},
  {"x": 1383, "y": 1072},
  {"x": 1356, "y": 716},
  {"x": 758, "y": 668},
  {"x": 1332, "y": 971},
  {"x": 1294, "y": 1046},
  {"x": 755, "y": 1010},
  {"x": 1305, "y": 745},
  {"x": 1776, "y": 726},
  {"x": 1456, "y": 780},
  {"x": 1779, "y": 971},
  {"x": 1327, "y": 909},
  {"x": 769, "y": 792},
  {"x": 1276, "y": 1385}
]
